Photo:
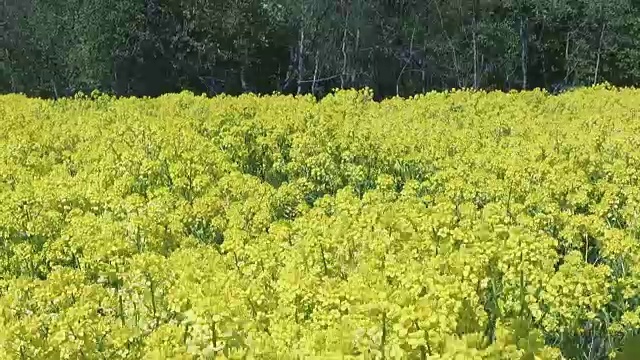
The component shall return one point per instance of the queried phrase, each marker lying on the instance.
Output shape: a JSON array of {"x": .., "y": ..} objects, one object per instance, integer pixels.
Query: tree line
[{"x": 55, "y": 48}]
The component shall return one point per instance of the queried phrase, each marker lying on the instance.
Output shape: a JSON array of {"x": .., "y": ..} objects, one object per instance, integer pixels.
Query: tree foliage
[{"x": 399, "y": 47}]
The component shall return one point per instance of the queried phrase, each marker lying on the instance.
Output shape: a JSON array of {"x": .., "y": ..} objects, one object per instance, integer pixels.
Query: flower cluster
[{"x": 458, "y": 225}]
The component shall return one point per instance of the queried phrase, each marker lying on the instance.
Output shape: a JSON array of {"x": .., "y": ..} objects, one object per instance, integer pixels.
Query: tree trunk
[
  {"x": 357, "y": 49},
  {"x": 423, "y": 70},
  {"x": 456, "y": 66},
  {"x": 407, "y": 62},
  {"x": 476, "y": 75},
  {"x": 343, "y": 74},
  {"x": 55, "y": 89},
  {"x": 243, "y": 79},
  {"x": 566, "y": 59},
  {"x": 290, "y": 70},
  {"x": 598, "y": 56},
  {"x": 524, "y": 44},
  {"x": 315, "y": 76},
  {"x": 300, "y": 60},
  {"x": 543, "y": 56}
]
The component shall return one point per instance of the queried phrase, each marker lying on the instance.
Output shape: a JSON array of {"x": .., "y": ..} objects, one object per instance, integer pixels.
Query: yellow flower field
[{"x": 459, "y": 225}]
